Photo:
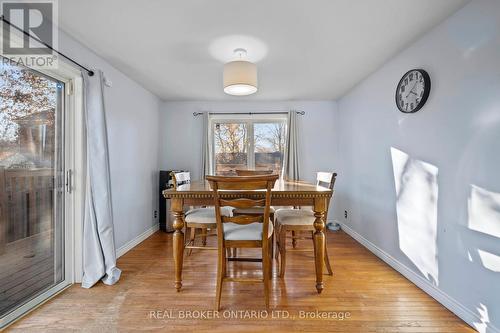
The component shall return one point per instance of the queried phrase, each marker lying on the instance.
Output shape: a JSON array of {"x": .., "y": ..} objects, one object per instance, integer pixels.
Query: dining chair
[
  {"x": 199, "y": 218},
  {"x": 243, "y": 231},
  {"x": 246, "y": 172},
  {"x": 253, "y": 210},
  {"x": 299, "y": 220}
]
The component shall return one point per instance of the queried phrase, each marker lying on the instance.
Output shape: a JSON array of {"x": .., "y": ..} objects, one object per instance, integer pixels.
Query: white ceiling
[{"x": 313, "y": 49}]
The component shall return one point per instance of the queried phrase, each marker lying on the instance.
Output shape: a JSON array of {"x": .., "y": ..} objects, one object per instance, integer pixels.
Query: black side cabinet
[{"x": 164, "y": 204}]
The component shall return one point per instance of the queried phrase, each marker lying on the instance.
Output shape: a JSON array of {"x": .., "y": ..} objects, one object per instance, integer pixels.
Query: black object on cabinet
[{"x": 164, "y": 204}]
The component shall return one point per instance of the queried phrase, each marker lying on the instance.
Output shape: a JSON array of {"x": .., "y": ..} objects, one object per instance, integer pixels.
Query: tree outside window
[
  {"x": 248, "y": 144},
  {"x": 27, "y": 107}
]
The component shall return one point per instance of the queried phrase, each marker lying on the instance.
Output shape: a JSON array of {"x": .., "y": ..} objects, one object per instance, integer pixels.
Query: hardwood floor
[{"x": 377, "y": 298}]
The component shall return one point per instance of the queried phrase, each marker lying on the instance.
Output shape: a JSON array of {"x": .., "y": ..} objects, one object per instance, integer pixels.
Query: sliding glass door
[{"x": 32, "y": 193}]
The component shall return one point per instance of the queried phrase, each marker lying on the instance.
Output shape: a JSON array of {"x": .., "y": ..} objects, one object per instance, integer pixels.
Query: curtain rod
[
  {"x": 195, "y": 114},
  {"x": 90, "y": 72}
]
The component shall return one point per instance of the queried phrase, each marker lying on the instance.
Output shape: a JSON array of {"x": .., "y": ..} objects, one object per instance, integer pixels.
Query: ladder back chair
[
  {"x": 200, "y": 218},
  {"x": 299, "y": 220},
  {"x": 253, "y": 210},
  {"x": 246, "y": 172},
  {"x": 243, "y": 231}
]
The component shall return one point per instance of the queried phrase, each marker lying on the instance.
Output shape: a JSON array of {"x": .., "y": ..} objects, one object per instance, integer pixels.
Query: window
[{"x": 247, "y": 142}]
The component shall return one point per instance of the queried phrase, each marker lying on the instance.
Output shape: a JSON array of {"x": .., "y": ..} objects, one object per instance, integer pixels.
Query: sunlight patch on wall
[
  {"x": 485, "y": 318},
  {"x": 416, "y": 207},
  {"x": 489, "y": 260},
  {"x": 484, "y": 211}
]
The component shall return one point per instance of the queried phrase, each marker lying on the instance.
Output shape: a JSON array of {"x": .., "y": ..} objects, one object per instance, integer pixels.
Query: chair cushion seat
[
  {"x": 205, "y": 215},
  {"x": 294, "y": 217},
  {"x": 252, "y": 231},
  {"x": 253, "y": 210}
]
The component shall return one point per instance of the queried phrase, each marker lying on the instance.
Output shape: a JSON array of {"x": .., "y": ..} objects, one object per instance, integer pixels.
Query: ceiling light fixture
[{"x": 240, "y": 76}]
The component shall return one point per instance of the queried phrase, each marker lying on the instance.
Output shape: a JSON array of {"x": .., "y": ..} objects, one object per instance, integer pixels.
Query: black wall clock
[{"x": 413, "y": 90}]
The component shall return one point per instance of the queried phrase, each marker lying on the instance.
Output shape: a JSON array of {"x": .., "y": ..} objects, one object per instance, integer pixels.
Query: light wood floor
[{"x": 377, "y": 298}]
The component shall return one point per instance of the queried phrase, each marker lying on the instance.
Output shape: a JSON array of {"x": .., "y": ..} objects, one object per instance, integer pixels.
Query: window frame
[{"x": 249, "y": 120}]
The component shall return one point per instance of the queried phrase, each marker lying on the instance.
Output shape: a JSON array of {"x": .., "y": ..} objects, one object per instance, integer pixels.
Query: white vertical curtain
[
  {"x": 291, "y": 161},
  {"x": 99, "y": 254},
  {"x": 206, "y": 163}
]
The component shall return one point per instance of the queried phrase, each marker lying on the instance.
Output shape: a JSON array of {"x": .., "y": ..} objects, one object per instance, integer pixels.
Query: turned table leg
[
  {"x": 320, "y": 206},
  {"x": 178, "y": 240}
]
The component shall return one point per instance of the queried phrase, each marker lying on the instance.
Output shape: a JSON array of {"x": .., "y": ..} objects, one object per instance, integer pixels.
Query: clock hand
[{"x": 411, "y": 90}]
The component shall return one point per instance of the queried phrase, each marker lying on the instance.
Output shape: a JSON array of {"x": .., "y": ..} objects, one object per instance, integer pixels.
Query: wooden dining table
[{"x": 284, "y": 193}]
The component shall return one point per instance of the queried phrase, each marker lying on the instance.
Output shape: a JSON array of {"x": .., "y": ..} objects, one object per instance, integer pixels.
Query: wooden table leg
[
  {"x": 320, "y": 206},
  {"x": 178, "y": 240}
]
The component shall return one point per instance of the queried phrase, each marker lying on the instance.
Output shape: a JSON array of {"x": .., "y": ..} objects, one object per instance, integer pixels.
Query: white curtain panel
[
  {"x": 99, "y": 254},
  {"x": 206, "y": 167},
  {"x": 291, "y": 162}
]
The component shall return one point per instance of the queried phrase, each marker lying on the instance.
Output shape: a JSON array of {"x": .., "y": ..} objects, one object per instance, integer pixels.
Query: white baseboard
[
  {"x": 136, "y": 241},
  {"x": 450, "y": 303}
]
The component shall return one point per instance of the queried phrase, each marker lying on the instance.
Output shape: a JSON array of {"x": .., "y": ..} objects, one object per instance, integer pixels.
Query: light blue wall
[
  {"x": 432, "y": 201},
  {"x": 132, "y": 114},
  {"x": 181, "y": 132}
]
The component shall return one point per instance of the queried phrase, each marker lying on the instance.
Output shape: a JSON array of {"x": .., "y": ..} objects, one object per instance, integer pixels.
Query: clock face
[{"x": 413, "y": 90}]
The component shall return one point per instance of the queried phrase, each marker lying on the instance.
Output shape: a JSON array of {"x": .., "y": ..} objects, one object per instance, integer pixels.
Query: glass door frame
[{"x": 72, "y": 133}]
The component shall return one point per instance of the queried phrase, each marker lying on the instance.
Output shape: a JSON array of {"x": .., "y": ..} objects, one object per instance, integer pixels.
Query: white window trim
[
  {"x": 249, "y": 119},
  {"x": 74, "y": 161}
]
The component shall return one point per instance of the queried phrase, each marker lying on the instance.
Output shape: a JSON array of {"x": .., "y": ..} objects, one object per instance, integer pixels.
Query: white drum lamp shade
[{"x": 240, "y": 78}]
